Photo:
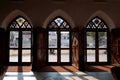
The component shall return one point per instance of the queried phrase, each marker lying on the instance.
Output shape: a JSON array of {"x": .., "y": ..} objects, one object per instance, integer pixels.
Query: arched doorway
[
  {"x": 97, "y": 41},
  {"x": 20, "y": 41},
  {"x": 59, "y": 42}
]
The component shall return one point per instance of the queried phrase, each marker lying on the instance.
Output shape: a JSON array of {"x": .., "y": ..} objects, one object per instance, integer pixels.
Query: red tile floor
[{"x": 104, "y": 68}]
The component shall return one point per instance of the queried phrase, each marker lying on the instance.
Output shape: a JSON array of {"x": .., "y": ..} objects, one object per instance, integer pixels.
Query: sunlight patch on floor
[{"x": 57, "y": 76}]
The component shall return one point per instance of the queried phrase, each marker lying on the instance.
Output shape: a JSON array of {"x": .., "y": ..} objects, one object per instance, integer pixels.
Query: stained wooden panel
[
  {"x": 115, "y": 46},
  {"x": 39, "y": 53},
  {"x": 2, "y": 46}
]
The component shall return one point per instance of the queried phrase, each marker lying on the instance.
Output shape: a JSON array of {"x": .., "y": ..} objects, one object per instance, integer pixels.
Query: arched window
[
  {"x": 96, "y": 41},
  {"x": 59, "y": 47},
  {"x": 20, "y": 41}
]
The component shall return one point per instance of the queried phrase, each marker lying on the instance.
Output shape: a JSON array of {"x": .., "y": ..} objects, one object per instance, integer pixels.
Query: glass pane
[
  {"x": 52, "y": 55},
  {"x": 26, "y": 39},
  {"x": 102, "y": 39},
  {"x": 65, "y": 39},
  {"x": 13, "y": 55},
  {"x": 65, "y": 56},
  {"x": 53, "y": 25},
  {"x": 58, "y": 21},
  {"x": 26, "y": 25},
  {"x": 20, "y": 21},
  {"x": 90, "y": 39},
  {"x": 96, "y": 23},
  {"x": 102, "y": 55},
  {"x": 13, "y": 39},
  {"x": 52, "y": 43},
  {"x": 14, "y": 25},
  {"x": 26, "y": 55},
  {"x": 90, "y": 55}
]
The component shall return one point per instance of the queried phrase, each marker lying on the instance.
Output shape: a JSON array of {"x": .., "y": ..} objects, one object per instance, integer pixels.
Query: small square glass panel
[
  {"x": 65, "y": 56},
  {"x": 102, "y": 55},
  {"x": 13, "y": 39},
  {"x": 13, "y": 55},
  {"x": 26, "y": 39},
  {"x": 26, "y": 55},
  {"x": 90, "y": 55},
  {"x": 52, "y": 55},
  {"x": 52, "y": 41},
  {"x": 65, "y": 39},
  {"x": 102, "y": 39},
  {"x": 90, "y": 39}
]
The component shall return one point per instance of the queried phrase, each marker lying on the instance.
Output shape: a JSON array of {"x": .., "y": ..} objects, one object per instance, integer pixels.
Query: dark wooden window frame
[
  {"x": 97, "y": 45},
  {"x": 20, "y": 43},
  {"x": 58, "y": 30}
]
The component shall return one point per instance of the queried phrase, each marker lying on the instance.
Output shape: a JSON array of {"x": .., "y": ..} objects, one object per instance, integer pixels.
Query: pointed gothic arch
[
  {"x": 103, "y": 16},
  {"x": 13, "y": 15},
  {"x": 56, "y": 13}
]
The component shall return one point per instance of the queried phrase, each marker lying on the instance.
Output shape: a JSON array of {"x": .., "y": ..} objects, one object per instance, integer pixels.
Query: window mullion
[{"x": 97, "y": 46}]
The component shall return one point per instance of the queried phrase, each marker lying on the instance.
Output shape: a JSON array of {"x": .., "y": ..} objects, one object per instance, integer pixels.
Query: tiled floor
[{"x": 56, "y": 76}]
